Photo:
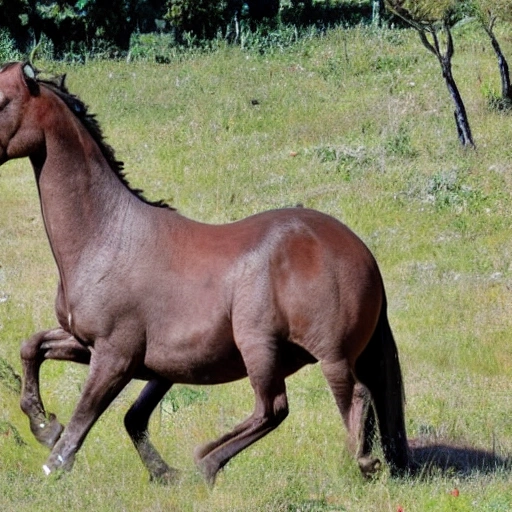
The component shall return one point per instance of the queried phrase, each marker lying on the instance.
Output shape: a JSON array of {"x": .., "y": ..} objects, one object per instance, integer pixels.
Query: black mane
[{"x": 80, "y": 110}]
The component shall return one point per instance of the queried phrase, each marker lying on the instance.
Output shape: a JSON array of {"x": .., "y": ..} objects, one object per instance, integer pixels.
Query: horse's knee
[
  {"x": 29, "y": 349},
  {"x": 270, "y": 413}
]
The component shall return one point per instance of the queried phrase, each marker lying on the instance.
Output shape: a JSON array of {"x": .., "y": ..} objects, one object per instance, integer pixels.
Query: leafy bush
[
  {"x": 446, "y": 189},
  {"x": 400, "y": 143},
  {"x": 201, "y": 17},
  {"x": 7, "y": 50},
  {"x": 184, "y": 396}
]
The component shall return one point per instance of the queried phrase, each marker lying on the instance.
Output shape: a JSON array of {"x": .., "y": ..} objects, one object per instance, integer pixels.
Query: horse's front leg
[
  {"x": 136, "y": 423},
  {"x": 110, "y": 369},
  {"x": 53, "y": 344}
]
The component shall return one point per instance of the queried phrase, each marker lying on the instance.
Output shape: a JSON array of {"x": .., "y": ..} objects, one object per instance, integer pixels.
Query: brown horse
[{"x": 147, "y": 293}]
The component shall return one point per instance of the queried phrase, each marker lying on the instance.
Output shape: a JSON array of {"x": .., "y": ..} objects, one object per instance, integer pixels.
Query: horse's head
[{"x": 20, "y": 131}]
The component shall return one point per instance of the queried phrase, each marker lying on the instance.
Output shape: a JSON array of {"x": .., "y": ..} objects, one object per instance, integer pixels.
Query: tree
[
  {"x": 378, "y": 9},
  {"x": 59, "y": 21},
  {"x": 488, "y": 12},
  {"x": 205, "y": 18},
  {"x": 67, "y": 23},
  {"x": 432, "y": 20},
  {"x": 14, "y": 19},
  {"x": 260, "y": 9}
]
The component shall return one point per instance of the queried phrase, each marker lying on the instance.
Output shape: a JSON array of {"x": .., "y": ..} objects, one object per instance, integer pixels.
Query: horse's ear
[
  {"x": 29, "y": 74},
  {"x": 62, "y": 82}
]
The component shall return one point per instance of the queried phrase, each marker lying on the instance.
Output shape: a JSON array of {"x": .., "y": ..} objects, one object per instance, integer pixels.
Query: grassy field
[{"x": 358, "y": 124}]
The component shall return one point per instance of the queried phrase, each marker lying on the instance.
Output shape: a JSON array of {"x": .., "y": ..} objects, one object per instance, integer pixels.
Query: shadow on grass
[{"x": 434, "y": 456}]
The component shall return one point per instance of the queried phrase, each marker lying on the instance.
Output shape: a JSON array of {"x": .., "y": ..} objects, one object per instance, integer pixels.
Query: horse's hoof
[
  {"x": 54, "y": 473},
  {"x": 208, "y": 470},
  {"x": 408, "y": 468},
  {"x": 369, "y": 466},
  {"x": 56, "y": 465},
  {"x": 169, "y": 476},
  {"x": 47, "y": 432}
]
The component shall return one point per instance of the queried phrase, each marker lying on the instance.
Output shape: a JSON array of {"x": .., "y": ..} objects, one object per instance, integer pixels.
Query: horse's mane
[{"x": 88, "y": 120}]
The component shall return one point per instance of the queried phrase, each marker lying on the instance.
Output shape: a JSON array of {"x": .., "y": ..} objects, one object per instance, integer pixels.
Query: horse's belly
[{"x": 196, "y": 361}]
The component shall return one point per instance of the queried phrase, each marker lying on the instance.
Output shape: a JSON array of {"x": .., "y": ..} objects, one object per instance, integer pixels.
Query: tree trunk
[
  {"x": 506, "y": 88},
  {"x": 461, "y": 118},
  {"x": 377, "y": 11}
]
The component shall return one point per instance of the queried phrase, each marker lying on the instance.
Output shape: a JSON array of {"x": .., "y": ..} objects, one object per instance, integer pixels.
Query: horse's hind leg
[
  {"x": 354, "y": 403},
  {"x": 365, "y": 427},
  {"x": 52, "y": 344},
  {"x": 270, "y": 410},
  {"x": 378, "y": 368},
  {"x": 136, "y": 423},
  {"x": 392, "y": 430}
]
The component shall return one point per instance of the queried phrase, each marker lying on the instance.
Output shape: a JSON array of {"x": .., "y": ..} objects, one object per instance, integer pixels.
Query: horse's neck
[{"x": 82, "y": 198}]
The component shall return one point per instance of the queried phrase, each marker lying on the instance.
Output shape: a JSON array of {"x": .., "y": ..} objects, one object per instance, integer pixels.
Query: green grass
[{"x": 358, "y": 124}]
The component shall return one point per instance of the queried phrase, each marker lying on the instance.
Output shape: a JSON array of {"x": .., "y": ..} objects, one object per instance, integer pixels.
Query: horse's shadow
[{"x": 434, "y": 456}]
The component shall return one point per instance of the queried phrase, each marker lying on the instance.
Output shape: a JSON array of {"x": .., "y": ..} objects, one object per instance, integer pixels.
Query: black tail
[{"x": 378, "y": 368}]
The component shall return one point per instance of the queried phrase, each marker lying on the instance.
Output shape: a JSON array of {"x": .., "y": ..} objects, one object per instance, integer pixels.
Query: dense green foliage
[
  {"x": 78, "y": 25},
  {"x": 91, "y": 26}
]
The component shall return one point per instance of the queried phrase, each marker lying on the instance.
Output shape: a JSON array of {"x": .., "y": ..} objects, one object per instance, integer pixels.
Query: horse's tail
[{"x": 378, "y": 368}]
